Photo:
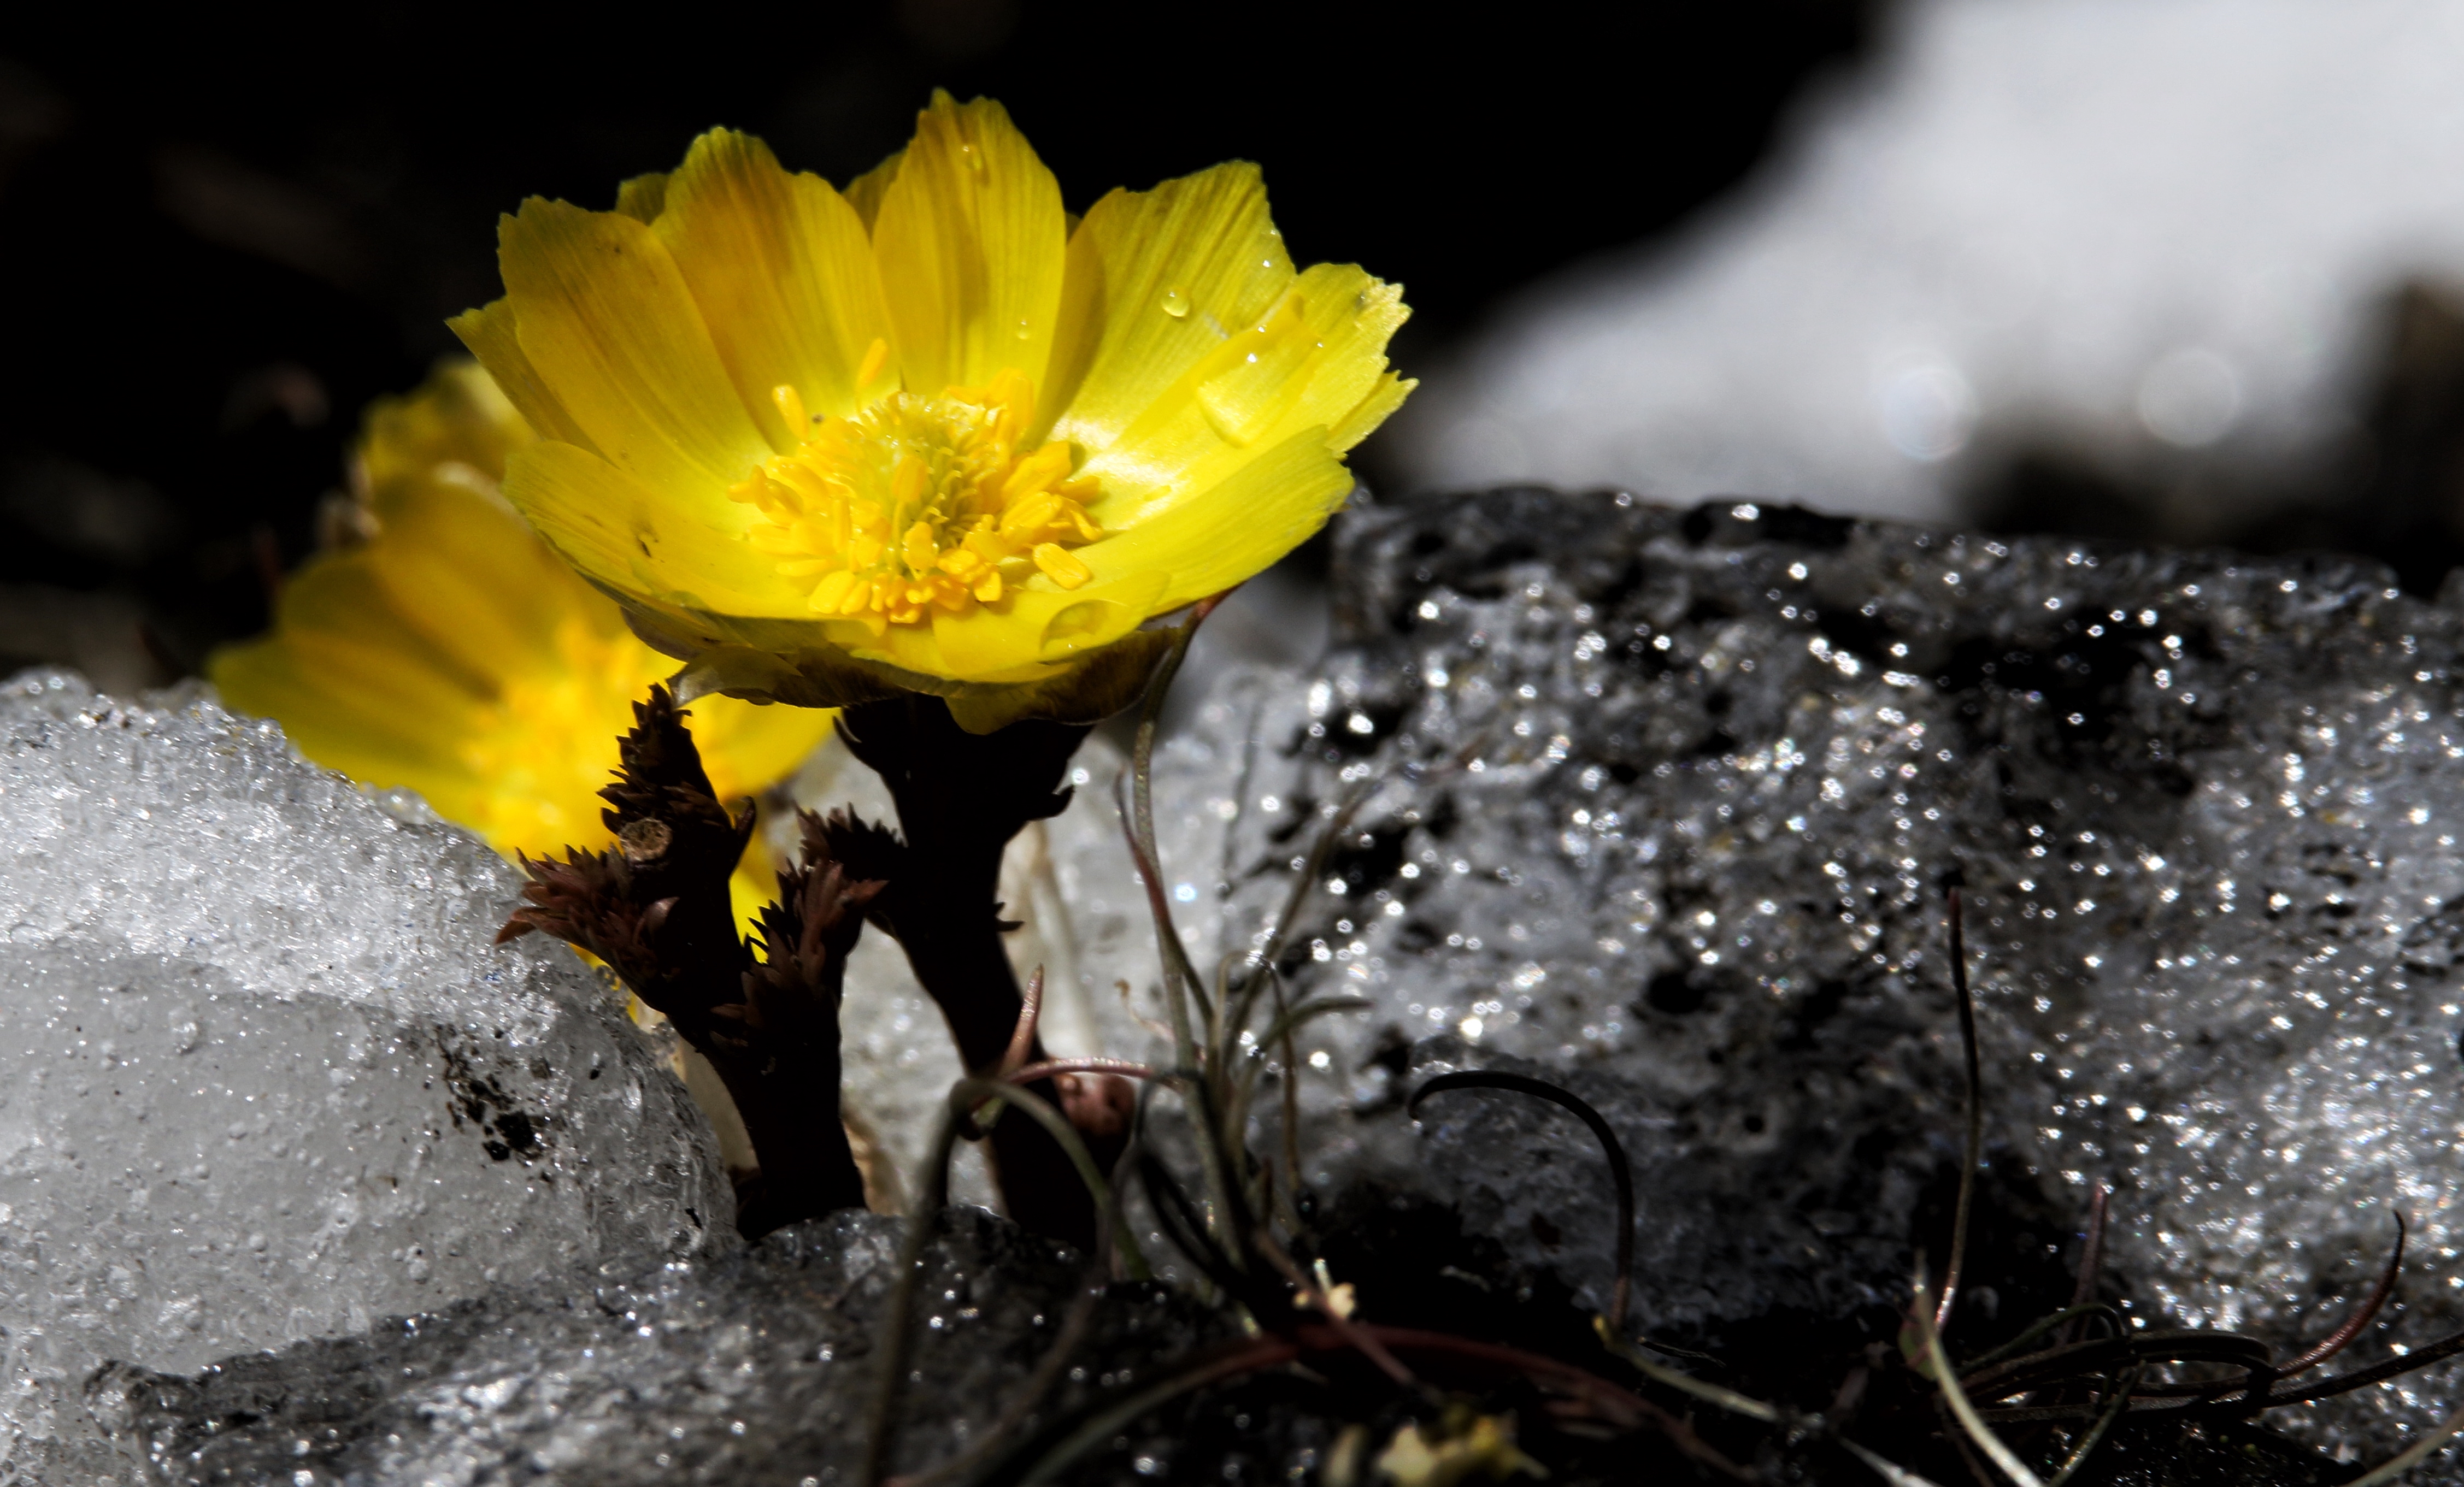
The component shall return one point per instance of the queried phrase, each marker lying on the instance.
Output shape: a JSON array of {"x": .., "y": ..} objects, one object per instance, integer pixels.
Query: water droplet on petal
[
  {"x": 1026, "y": 332},
  {"x": 1175, "y": 303}
]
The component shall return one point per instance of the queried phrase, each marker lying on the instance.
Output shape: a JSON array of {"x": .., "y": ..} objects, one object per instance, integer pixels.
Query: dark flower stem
[{"x": 961, "y": 796}]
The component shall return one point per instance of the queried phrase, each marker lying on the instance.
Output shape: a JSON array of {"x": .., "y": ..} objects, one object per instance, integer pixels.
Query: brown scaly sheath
[{"x": 655, "y": 908}]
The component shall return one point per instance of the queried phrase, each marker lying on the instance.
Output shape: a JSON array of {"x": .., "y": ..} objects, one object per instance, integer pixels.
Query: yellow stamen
[
  {"x": 914, "y": 506},
  {"x": 791, "y": 408},
  {"x": 875, "y": 358},
  {"x": 1062, "y": 566},
  {"x": 832, "y": 590}
]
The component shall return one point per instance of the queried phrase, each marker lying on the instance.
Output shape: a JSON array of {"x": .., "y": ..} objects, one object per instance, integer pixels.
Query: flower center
[{"x": 914, "y": 504}]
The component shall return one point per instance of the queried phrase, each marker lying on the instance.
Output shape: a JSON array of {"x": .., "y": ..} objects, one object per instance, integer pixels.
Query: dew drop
[
  {"x": 974, "y": 157},
  {"x": 1026, "y": 332},
  {"x": 1175, "y": 303}
]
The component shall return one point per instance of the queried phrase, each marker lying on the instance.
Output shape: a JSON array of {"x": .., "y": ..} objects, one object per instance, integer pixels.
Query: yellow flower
[
  {"x": 453, "y": 654},
  {"x": 927, "y": 433}
]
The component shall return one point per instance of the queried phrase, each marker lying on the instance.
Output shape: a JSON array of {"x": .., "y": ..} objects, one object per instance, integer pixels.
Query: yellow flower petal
[
  {"x": 351, "y": 701},
  {"x": 1156, "y": 280},
  {"x": 747, "y": 746},
  {"x": 865, "y": 192},
  {"x": 624, "y": 536},
  {"x": 781, "y": 269},
  {"x": 459, "y": 425},
  {"x": 1350, "y": 318},
  {"x": 607, "y": 323},
  {"x": 462, "y": 573},
  {"x": 643, "y": 197},
  {"x": 754, "y": 884},
  {"x": 357, "y": 687},
  {"x": 1039, "y": 628},
  {"x": 1312, "y": 359},
  {"x": 1273, "y": 503},
  {"x": 1385, "y": 396},
  {"x": 970, "y": 244},
  {"x": 489, "y": 332}
]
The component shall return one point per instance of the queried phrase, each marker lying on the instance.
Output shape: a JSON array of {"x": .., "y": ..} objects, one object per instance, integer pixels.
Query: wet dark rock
[{"x": 1664, "y": 804}]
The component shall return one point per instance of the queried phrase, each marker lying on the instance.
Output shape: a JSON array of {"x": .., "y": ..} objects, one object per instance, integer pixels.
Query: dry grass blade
[
  {"x": 1140, "y": 816},
  {"x": 1326, "y": 1305},
  {"x": 1180, "y": 986},
  {"x": 2104, "y": 1355},
  {"x": 1319, "y": 851},
  {"x": 2412, "y": 1455},
  {"x": 2444, "y": 1348},
  {"x": 2115, "y": 1404},
  {"x": 2091, "y": 1258},
  {"x": 2068, "y": 1318},
  {"x": 1727, "y": 1399},
  {"x": 1931, "y": 1361},
  {"x": 1886, "y": 1469},
  {"x": 881, "y": 1416},
  {"x": 996, "y": 1438},
  {"x": 881, "y": 1432}
]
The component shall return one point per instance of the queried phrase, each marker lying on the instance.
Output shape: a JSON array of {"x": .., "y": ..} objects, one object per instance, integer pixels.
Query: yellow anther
[
  {"x": 791, "y": 408},
  {"x": 1037, "y": 472},
  {"x": 1031, "y": 514},
  {"x": 1062, "y": 565},
  {"x": 830, "y": 594},
  {"x": 918, "y": 548},
  {"x": 907, "y": 482},
  {"x": 875, "y": 358}
]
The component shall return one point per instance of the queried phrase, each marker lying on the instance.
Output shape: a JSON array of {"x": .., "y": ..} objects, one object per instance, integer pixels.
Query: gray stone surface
[
  {"x": 1664, "y": 804},
  {"x": 264, "y": 1078},
  {"x": 1667, "y": 802}
]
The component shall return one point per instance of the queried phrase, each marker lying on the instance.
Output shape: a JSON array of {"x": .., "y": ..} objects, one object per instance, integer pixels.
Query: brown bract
[{"x": 655, "y": 908}]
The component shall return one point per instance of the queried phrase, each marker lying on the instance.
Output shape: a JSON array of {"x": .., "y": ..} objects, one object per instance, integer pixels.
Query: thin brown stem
[
  {"x": 1974, "y": 1152},
  {"x": 1022, "y": 1038},
  {"x": 2343, "y": 1337},
  {"x": 1052, "y": 1066}
]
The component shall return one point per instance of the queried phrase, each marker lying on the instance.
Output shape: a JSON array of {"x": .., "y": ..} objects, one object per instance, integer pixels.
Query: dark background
[{"x": 220, "y": 241}]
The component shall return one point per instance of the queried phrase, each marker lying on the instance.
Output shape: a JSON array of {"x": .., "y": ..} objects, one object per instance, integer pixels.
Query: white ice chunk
[{"x": 263, "y": 1076}]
